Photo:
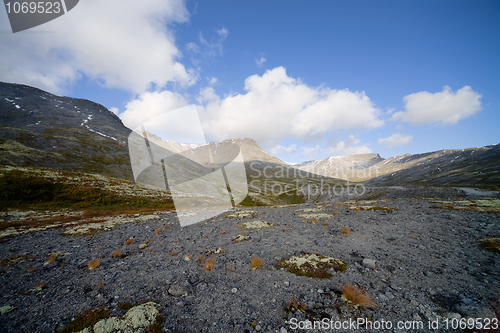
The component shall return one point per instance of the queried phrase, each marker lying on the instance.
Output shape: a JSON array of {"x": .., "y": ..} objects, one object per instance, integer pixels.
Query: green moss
[
  {"x": 157, "y": 326},
  {"x": 86, "y": 319},
  {"x": 491, "y": 243},
  {"x": 374, "y": 208},
  {"x": 316, "y": 216},
  {"x": 13, "y": 260},
  {"x": 24, "y": 190},
  {"x": 124, "y": 306},
  {"x": 253, "y": 225},
  {"x": 313, "y": 265},
  {"x": 487, "y": 205},
  {"x": 243, "y": 214}
]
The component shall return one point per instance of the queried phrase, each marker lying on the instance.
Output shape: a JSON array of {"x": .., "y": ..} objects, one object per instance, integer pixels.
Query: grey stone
[
  {"x": 368, "y": 263},
  {"x": 177, "y": 290}
]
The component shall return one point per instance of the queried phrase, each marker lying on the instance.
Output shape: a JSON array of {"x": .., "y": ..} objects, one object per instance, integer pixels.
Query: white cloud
[
  {"x": 348, "y": 147},
  {"x": 311, "y": 151},
  {"x": 208, "y": 48},
  {"x": 276, "y": 106},
  {"x": 446, "y": 107},
  {"x": 281, "y": 149},
  {"x": 260, "y": 62},
  {"x": 150, "y": 105},
  {"x": 212, "y": 80},
  {"x": 114, "y": 110},
  {"x": 395, "y": 140},
  {"x": 223, "y": 33},
  {"x": 125, "y": 44}
]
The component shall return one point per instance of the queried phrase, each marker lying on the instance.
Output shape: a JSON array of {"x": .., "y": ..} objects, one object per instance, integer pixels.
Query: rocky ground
[{"x": 426, "y": 266}]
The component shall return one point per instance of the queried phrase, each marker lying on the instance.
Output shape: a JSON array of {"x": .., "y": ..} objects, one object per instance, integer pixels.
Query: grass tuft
[
  {"x": 40, "y": 285},
  {"x": 50, "y": 259},
  {"x": 346, "y": 230},
  {"x": 358, "y": 296},
  {"x": 209, "y": 264},
  {"x": 116, "y": 253},
  {"x": 256, "y": 262},
  {"x": 31, "y": 269},
  {"x": 200, "y": 258},
  {"x": 491, "y": 243},
  {"x": 94, "y": 263},
  {"x": 130, "y": 241},
  {"x": 158, "y": 231}
]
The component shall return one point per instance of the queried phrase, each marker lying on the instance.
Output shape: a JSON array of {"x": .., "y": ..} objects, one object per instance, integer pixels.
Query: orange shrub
[
  {"x": 358, "y": 296},
  {"x": 209, "y": 264},
  {"x": 50, "y": 259},
  {"x": 130, "y": 241},
  {"x": 39, "y": 286},
  {"x": 346, "y": 230},
  {"x": 256, "y": 262},
  {"x": 94, "y": 263}
]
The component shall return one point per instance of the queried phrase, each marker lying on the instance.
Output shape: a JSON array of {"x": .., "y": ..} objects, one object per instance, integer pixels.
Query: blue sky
[{"x": 305, "y": 79}]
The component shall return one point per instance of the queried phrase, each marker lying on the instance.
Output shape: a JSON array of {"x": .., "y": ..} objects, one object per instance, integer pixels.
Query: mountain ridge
[{"x": 39, "y": 129}]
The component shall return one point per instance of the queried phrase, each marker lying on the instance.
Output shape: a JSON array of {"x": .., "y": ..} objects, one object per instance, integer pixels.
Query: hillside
[
  {"x": 42, "y": 130},
  {"x": 473, "y": 167},
  {"x": 38, "y": 129},
  {"x": 344, "y": 167}
]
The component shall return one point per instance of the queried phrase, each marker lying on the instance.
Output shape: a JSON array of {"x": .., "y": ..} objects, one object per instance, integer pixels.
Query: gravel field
[{"x": 419, "y": 265}]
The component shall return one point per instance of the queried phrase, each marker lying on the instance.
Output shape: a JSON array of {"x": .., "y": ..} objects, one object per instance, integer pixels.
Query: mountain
[
  {"x": 473, "y": 167},
  {"x": 344, "y": 167},
  {"x": 38, "y": 129},
  {"x": 42, "y": 130}
]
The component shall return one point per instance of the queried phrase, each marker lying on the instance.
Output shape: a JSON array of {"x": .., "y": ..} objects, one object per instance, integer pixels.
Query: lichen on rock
[
  {"x": 313, "y": 265},
  {"x": 253, "y": 225},
  {"x": 136, "y": 320}
]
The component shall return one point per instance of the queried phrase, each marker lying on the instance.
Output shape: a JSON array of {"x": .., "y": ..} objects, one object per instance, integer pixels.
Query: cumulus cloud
[
  {"x": 446, "y": 107},
  {"x": 277, "y": 106},
  {"x": 395, "y": 140},
  {"x": 348, "y": 147},
  {"x": 125, "y": 44},
  {"x": 150, "y": 105},
  {"x": 260, "y": 62},
  {"x": 114, "y": 110},
  {"x": 311, "y": 151},
  {"x": 281, "y": 149}
]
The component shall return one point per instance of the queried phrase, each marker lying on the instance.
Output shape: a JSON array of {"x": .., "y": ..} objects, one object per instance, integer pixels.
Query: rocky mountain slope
[
  {"x": 38, "y": 129},
  {"x": 473, "y": 167},
  {"x": 344, "y": 167},
  {"x": 42, "y": 130}
]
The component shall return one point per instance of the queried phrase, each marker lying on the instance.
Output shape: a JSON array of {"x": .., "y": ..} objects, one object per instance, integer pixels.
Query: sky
[{"x": 305, "y": 79}]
